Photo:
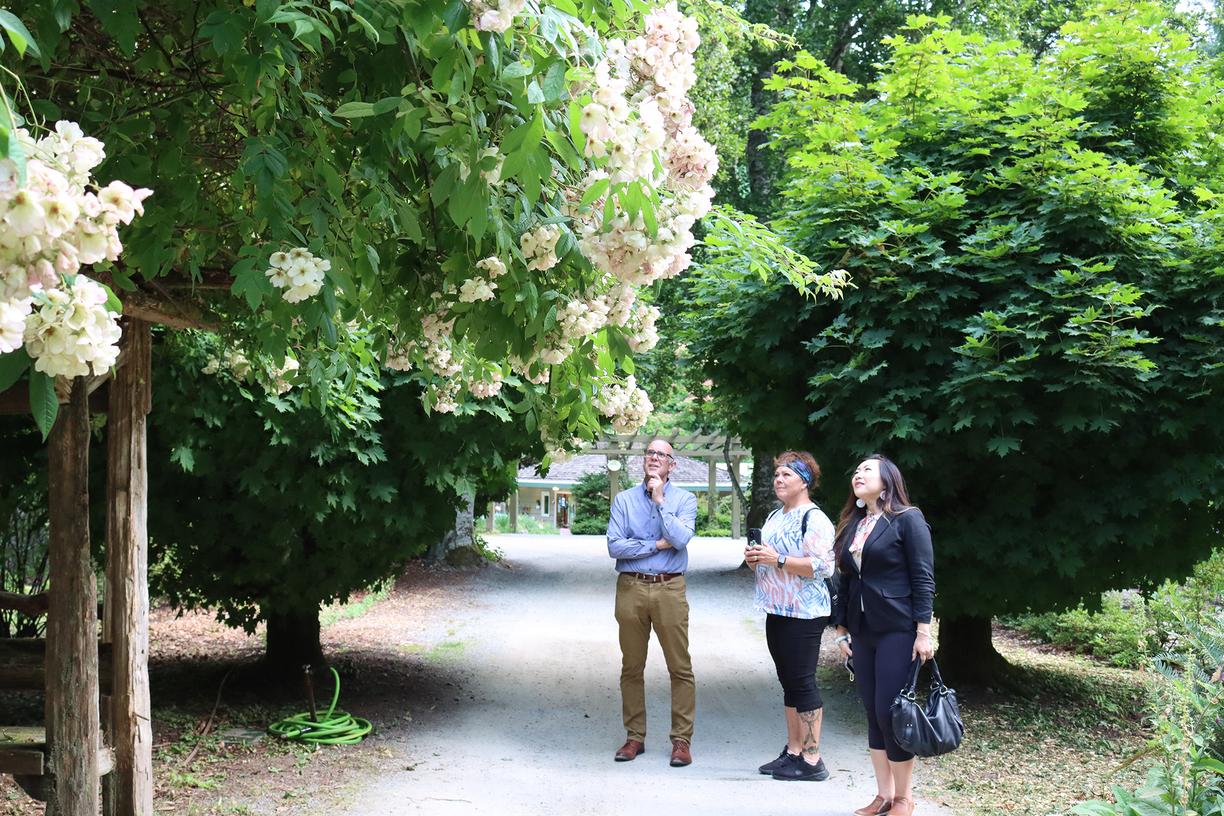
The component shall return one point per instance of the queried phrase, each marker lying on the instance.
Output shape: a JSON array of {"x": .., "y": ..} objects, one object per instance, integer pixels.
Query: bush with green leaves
[
  {"x": 1130, "y": 627},
  {"x": 591, "y": 505},
  {"x": 1187, "y": 778},
  {"x": 1117, "y": 633},
  {"x": 1035, "y": 316}
]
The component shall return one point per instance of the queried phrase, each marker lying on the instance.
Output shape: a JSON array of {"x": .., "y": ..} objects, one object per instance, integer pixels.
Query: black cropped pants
[
  {"x": 882, "y": 663},
  {"x": 794, "y": 645}
]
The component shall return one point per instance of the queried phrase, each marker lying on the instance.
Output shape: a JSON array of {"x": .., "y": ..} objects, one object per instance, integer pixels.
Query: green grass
[
  {"x": 334, "y": 613},
  {"x": 447, "y": 650}
]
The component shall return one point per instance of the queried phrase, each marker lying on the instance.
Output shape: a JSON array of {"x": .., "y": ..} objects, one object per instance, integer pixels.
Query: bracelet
[{"x": 842, "y": 639}]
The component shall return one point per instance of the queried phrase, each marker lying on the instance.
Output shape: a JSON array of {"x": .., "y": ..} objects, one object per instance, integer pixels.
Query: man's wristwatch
[{"x": 781, "y": 561}]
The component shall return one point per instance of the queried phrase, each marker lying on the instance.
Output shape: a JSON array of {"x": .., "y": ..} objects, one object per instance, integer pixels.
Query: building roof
[{"x": 688, "y": 472}]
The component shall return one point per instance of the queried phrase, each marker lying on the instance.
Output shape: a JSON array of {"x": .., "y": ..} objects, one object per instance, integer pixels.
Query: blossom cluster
[
  {"x": 640, "y": 107},
  {"x": 70, "y": 333},
  {"x": 643, "y": 336},
  {"x": 539, "y": 247},
  {"x": 298, "y": 272},
  {"x": 632, "y": 209},
  {"x": 494, "y": 15},
  {"x": 625, "y": 404},
  {"x": 52, "y": 222}
]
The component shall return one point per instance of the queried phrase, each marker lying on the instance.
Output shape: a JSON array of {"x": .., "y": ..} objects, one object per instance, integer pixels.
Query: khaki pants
[{"x": 663, "y": 606}]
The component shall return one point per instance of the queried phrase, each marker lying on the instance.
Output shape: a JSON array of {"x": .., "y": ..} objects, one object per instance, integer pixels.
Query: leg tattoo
[{"x": 809, "y": 734}]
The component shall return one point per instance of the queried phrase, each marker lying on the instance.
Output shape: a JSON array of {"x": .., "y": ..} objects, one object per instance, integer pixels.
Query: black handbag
[{"x": 929, "y": 730}]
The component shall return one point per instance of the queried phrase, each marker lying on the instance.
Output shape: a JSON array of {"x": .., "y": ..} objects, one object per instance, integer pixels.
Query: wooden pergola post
[
  {"x": 712, "y": 495},
  {"x": 130, "y": 787},
  {"x": 514, "y": 511},
  {"x": 73, "y": 738}
]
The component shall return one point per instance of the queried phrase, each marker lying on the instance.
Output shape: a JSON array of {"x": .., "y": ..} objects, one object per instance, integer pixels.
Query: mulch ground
[{"x": 204, "y": 686}]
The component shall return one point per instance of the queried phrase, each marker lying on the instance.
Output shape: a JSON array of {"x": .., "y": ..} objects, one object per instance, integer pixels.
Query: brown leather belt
[{"x": 653, "y": 578}]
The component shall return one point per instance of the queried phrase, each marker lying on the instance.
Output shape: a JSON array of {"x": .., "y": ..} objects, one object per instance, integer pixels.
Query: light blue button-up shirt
[{"x": 637, "y": 523}]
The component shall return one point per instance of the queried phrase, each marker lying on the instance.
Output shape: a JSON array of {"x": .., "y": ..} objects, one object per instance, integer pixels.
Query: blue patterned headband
[{"x": 801, "y": 470}]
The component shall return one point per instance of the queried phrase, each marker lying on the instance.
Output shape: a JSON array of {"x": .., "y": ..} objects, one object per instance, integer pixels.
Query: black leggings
[
  {"x": 794, "y": 645},
  {"x": 882, "y": 663}
]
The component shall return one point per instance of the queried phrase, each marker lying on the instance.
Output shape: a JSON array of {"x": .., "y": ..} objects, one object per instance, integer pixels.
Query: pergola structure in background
[
  {"x": 708, "y": 447},
  {"x": 95, "y": 750}
]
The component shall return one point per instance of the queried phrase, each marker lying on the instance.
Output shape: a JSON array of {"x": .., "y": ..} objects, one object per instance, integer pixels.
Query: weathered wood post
[
  {"x": 72, "y": 619},
  {"x": 712, "y": 495},
  {"x": 514, "y": 511},
  {"x": 130, "y": 787}
]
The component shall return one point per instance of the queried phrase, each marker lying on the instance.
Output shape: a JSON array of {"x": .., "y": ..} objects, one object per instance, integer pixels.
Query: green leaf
[
  {"x": 183, "y": 456},
  {"x": 12, "y": 366},
  {"x": 354, "y": 110},
  {"x": 1003, "y": 445},
  {"x": 386, "y": 105},
  {"x": 518, "y": 70},
  {"x": 554, "y": 82},
  {"x": 18, "y": 34},
  {"x": 44, "y": 405}
]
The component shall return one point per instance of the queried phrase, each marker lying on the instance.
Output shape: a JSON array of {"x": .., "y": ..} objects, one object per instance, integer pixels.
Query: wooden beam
[
  {"x": 23, "y": 662},
  {"x": 127, "y": 547},
  {"x": 21, "y": 761},
  {"x": 72, "y": 654},
  {"x": 712, "y": 494},
  {"x": 32, "y": 606},
  {"x": 166, "y": 311}
]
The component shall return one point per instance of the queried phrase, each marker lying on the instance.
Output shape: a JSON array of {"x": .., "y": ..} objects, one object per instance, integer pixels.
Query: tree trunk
[
  {"x": 458, "y": 547},
  {"x": 966, "y": 654},
  {"x": 762, "y": 500},
  {"x": 293, "y": 642}
]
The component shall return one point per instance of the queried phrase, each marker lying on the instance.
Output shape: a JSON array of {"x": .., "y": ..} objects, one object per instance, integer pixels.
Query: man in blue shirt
[{"x": 648, "y": 535}]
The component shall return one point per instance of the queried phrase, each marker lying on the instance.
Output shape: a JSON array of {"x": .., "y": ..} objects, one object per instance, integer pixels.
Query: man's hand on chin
[{"x": 654, "y": 485}]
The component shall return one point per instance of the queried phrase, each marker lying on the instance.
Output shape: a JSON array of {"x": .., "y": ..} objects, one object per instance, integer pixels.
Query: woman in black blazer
[{"x": 883, "y": 613}]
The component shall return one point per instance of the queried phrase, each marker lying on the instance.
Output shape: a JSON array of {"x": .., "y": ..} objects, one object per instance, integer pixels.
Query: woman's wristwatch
[
  {"x": 781, "y": 561},
  {"x": 837, "y": 641}
]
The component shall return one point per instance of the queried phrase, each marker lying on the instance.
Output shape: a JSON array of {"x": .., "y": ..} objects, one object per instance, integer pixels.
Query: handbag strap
[
  {"x": 911, "y": 684},
  {"x": 936, "y": 678}
]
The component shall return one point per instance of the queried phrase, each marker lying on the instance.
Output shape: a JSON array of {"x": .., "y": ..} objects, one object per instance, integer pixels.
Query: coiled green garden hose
[{"x": 331, "y": 728}]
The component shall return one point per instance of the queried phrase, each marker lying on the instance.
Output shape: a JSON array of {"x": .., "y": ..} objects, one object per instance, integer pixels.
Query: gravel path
[{"x": 537, "y": 646}]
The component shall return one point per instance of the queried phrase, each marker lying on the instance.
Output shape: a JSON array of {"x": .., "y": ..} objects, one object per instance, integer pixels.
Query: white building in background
[{"x": 549, "y": 499}]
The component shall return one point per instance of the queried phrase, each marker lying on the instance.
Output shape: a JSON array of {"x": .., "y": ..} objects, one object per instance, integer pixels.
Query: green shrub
[
  {"x": 589, "y": 514},
  {"x": 1115, "y": 634},
  {"x": 1128, "y": 625},
  {"x": 1188, "y": 726}
]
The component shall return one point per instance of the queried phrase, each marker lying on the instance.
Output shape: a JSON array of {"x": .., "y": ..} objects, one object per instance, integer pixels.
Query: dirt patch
[{"x": 207, "y": 702}]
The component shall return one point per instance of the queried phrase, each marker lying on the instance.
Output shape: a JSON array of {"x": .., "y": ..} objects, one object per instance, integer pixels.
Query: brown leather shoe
[
  {"x": 629, "y": 750},
  {"x": 681, "y": 754},
  {"x": 878, "y": 807},
  {"x": 902, "y": 807}
]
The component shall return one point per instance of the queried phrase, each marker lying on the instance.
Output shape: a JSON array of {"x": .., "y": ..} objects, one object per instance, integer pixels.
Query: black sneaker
[
  {"x": 797, "y": 770},
  {"x": 785, "y": 758}
]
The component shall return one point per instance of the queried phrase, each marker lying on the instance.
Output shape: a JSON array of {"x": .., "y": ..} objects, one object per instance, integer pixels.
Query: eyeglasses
[{"x": 654, "y": 454}]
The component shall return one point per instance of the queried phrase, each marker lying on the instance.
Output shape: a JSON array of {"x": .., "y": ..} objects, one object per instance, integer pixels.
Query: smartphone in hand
[{"x": 754, "y": 536}]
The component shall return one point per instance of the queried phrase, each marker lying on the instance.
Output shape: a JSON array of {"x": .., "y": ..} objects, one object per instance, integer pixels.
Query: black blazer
[{"x": 896, "y": 588}]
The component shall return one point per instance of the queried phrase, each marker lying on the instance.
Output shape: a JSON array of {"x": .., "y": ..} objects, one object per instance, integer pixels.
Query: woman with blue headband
[{"x": 793, "y": 557}]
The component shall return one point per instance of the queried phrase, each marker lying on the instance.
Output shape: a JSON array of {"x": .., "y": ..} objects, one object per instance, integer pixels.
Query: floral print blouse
[{"x": 791, "y": 596}]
